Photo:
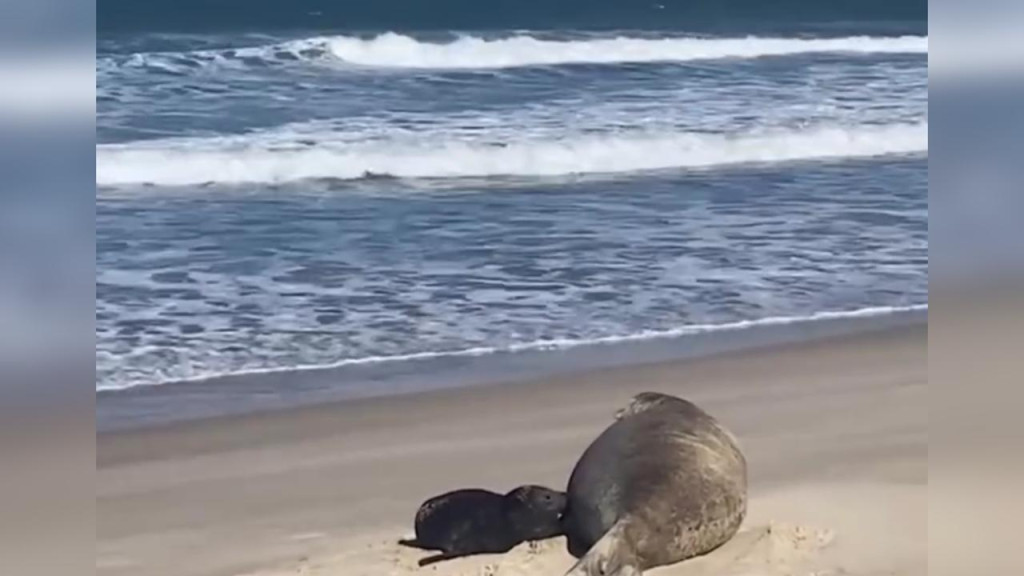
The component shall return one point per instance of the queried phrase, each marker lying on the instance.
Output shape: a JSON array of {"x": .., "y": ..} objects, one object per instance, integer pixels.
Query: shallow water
[{"x": 291, "y": 198}]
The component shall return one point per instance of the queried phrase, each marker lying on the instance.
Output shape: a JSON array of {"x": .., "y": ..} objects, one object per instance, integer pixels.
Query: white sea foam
[
  {"x": 393, "y": 50},
  {"x": 396, "y": 50},
  {"x": 184, "y": 162},
  {"x": 547, "y": 345}
]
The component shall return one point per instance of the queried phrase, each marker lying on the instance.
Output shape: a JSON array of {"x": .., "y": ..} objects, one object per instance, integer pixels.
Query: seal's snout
[{"x": 556, "y": 502}]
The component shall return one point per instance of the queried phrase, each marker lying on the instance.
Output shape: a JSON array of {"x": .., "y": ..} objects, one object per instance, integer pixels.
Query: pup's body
[{"x": 474, "y": 521}]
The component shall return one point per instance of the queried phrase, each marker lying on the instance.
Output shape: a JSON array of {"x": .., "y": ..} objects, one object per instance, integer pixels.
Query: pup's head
[{"x": 535, "y": 511}]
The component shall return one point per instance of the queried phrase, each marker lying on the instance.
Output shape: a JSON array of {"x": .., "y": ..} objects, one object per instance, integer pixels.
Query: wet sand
[{"x": 835, "y": 432}]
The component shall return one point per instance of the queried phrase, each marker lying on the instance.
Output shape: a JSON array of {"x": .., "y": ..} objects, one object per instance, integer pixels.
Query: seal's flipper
[
  {"x": 609, "y": 555},
  {"x": 439, "y": 558}
]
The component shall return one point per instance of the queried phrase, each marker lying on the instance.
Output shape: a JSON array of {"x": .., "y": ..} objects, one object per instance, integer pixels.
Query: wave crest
[
  {"x": 395, "y": 50},
  {"x": 191, "y": 162},
  {"x": 391, "y": 50}
]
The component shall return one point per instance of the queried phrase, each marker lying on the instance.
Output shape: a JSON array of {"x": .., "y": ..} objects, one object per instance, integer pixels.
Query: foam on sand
[
  {"x": 539, "y": 345},
  {"x": 193, "y": 161}
]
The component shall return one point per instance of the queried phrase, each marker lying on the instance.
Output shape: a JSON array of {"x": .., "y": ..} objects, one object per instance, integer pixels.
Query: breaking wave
[
  {"x": 393, "y": 50},
  {"x": 184, "y": 162}
]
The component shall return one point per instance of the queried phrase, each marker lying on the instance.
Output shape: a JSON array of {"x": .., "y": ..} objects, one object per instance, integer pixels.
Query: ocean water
[{"x": 286, "y": 186}]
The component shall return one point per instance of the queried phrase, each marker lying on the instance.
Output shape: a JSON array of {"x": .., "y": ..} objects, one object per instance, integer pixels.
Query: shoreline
[
  {"x": 281, "y": 389},
  {"x": 831, "y": 428}
]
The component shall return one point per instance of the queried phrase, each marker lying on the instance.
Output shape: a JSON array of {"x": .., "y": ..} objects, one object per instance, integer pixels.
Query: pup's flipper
[
  {"x": 439, "y": 558},
  {"x": 413, "y": 543}
]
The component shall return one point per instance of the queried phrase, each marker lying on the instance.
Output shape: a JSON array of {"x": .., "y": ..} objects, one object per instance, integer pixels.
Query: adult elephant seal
[
  {"x": 665, "y": 482},
  {"x": 473, "y": 521}
]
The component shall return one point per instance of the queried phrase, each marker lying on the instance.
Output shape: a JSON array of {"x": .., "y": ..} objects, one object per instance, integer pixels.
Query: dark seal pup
[
  {"x": 665, "y": 482},
  {"x": 473, "y": 521}
]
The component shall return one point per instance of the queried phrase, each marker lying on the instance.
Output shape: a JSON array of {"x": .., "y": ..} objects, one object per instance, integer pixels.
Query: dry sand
[{"x": 835, "y": 433}]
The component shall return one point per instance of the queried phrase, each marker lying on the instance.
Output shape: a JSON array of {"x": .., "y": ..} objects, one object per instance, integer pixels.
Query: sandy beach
[{"x": 835, "y": 432}]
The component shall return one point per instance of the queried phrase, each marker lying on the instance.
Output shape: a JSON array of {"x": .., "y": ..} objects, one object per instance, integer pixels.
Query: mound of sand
[{"x": 767, "y": 550}]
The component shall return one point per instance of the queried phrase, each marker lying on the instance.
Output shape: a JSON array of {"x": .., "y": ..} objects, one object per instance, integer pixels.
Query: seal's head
[
  {"x": 612, "y": 555},
  {"x": 535, "y": 511},
  {"x": 644, "y": 401}
]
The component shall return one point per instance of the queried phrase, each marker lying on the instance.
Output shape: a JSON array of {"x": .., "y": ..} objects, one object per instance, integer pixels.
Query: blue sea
[{"x": 310, "y": 187}]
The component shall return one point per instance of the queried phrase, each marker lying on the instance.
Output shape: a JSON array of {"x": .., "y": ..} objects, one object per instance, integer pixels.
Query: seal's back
[{"x": 668, "y": 470}]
